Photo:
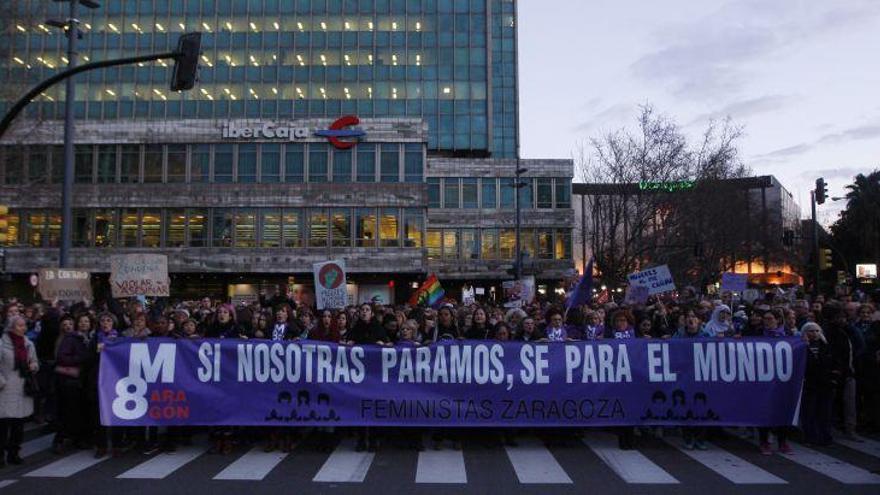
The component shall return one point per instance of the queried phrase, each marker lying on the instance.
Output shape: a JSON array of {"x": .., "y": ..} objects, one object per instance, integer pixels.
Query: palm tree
[{"x": 857, "y": 231}]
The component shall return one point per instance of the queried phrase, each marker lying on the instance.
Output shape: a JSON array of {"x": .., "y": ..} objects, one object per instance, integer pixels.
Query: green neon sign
[{"x": 668, "y": 186}]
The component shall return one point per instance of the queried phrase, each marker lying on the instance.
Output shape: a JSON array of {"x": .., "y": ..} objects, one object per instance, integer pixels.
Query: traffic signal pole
[{"x": 815, "y": 244}]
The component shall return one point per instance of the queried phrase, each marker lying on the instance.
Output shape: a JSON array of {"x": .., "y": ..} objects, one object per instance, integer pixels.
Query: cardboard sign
[
  {"x": 518, "y": 293},
  {"x": 468, "y": 296},
  {"x": 656, "y": 279},
  {"x": 734, "y": 282},
  {"x": 139, "y": 275},
  {"x": 330, "y": 288},
  {"x": 64, "y": 285}
]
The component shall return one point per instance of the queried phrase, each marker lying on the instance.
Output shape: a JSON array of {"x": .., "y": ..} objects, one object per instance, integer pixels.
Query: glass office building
[{"x": 234, "y": 179}]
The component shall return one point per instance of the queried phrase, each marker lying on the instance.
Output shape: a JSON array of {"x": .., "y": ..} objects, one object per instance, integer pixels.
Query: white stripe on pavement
[
  {"x": 163, "y": 465},
  {"x": 865, "y": 446},
  {"x": 5, "y": 483},
  {"x": 36, "y": 445},
  {"x": 632, "y": 466},
  {"x": 254, "y": 465},
  {"x": 831, "y": 467},
  {"x": 67, "y": 466},
  {"x": 441, "y": 466},
  {"x": 345, "y": 465},
  {"x": 533, "y": 463},
  {"x": 728, "y": 465}
]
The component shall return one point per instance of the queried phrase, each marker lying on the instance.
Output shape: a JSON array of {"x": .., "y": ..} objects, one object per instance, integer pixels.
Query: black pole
[
  {"x": 815, "y": 243},
  {"x": 70, "y": 96},
  {"x": 517, "y": 254}
]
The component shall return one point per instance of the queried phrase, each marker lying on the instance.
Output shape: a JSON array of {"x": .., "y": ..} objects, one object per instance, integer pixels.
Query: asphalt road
[{"x": 543, "y": 462}]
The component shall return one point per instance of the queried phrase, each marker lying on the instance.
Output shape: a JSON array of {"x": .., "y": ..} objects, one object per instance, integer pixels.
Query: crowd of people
[{"x": 50, "y": 355}]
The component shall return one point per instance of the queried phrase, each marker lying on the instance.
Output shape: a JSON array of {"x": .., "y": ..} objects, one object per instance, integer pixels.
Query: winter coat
[
  {"x": 367, "y": 333},
  {"x": 820, "y": 364},
  {"x": 13, "y": 402},
  {"x": 73, "y": 352}
]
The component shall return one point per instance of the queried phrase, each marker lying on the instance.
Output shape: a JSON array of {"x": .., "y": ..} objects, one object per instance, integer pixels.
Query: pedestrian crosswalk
[{"x": 531, "y": 462}]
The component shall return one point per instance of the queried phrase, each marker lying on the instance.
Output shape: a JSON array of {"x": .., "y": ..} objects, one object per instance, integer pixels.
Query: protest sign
[
  {"x": 685, "y": 382},
  {"x": 64, "y": 285},
  {"x": 518, "y": 293},
  {"x": 330, "y": 288},
  {"x": 735, "y": 282},
  {"x": 139, "y": 275},
  {"x": 468, "y": 296},
  {"x": 656, "y": 279},
  {"x": 636, "y": 294}
]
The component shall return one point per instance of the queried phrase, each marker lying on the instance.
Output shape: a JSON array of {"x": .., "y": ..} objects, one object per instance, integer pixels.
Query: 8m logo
[{"x": 131, "y": 391}]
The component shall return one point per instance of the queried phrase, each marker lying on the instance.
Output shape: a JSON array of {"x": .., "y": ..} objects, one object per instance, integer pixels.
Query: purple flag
[{"x": 583, "y": 291}]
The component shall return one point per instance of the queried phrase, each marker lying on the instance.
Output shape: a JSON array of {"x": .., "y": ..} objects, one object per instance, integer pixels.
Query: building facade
[{"x": 237, "y": 180}]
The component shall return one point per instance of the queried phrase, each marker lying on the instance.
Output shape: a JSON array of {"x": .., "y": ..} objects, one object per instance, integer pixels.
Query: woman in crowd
[
  {"x": 366, "y": 331},
  {"x": 719, "y": 324},
  {"x": 529, "y": 331},
  {"x": 480, "y": 328},
  {"x": 818, "y": 387},
  {"x": 622, "y": 328},
  {"x": 18, "y": 365},
  {"x": 555, "y": 330},
  {"x": 72, "y": 359},
  {"x": 105, "y": 436},
  {"x": 446, "y": 327},
  {"x": 261, "y": 328},
  {"x": 694, "y": 436},
  {"x": 340, "y": 324},
  {"x": 773, "y": 328}
]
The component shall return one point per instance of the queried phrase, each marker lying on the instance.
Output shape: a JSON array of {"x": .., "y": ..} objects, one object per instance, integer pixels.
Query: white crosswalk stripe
[
  {"x": 254, "y": 465},
  {"x": 441, "y": 466},
  {"x": 345, "y": 465},
  {"x": 67, "y": 466},
  {"x": 163, "y": 465},
  {"x": 727, "y": 465},
  {"x": 36, "y": 445},
  {"x": 863, "y": 445},
  {"x": 533, "y": 463},
  {"x": 632, "y": 466},
  {"x": 833, "y": 468},
  {"x": 5, "y": 483}
]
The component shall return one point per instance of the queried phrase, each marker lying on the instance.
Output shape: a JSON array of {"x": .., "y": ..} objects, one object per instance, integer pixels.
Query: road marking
[
  {"x": 533, "y": 463},
  {"x": 67, "y": 466},
  {"x": 5, "y": 483},
  {"x": 727, "y": 465},
  {"x": 441, "y": 466},
  {"x": 831, "y": 467},
  {"x": 254, "y": 465},
  {"x": 162, "y": 465},
  {"x": 36, "y": 445},
  {"x": 345, "y": 465},
  {"x": 632, "y": 466},
  {"x": 866, "y": 446}
]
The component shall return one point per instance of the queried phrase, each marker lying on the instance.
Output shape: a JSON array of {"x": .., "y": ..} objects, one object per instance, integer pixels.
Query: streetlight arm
[{"x": 46, "y": 84}]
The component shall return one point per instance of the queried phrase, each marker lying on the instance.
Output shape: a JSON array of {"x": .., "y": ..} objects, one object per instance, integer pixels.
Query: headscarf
[{"x": 715, "y": 326}]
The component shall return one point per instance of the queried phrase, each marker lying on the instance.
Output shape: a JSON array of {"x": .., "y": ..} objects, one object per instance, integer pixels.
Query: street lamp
[
  {"x": 71, "y": 28},
  {"x": 518, "y": 184}
]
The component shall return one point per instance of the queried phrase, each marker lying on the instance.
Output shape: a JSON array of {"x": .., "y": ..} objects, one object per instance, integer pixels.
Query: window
[
  {"x": 413, "y": 163},
  {"x": 434, "y": 244},
  {"x": 469, "y": 193},
  {"x": 200, "y": 163},
  {"x": 12, "y": 229},
  {"x": 106, "y": 164},
  {"x": 152, "y": 163},
  {"x": 470, "y": 246},
  {"x": 507, "y": 244},
  {"x": 389, "y": 228},
  {"x": 130, "y": 164},
  {"x": 342, "y": 166},
  {"x": 82, "y": 173},
  {"x": 270, "y": 228},
  {"x": 490, "y": 193},
  {"x": 525, "y": 193},
  {"x": 450, "y": 192},
  {"x": 365, "y": 230},
  {"x": 35, "y": 228},
  {"x": 390, "y": 169},
  {"x": 245, "y": 228},
  {"x": 433, "y": 193},
  {"x": 563, "y": 244},
  {"x": 366, "y": 163},
  {"x": 129, "y": 222},
  {"x": 221, "y": 228},
  {"x": 290, "y": 229},
  {"x": 341, "y": 227},
  {"x": 563, "y": 193},
  {"x": 545, "y": 193},
  {"x": 105, "y": 228},
  {"x": 198, "y": 228},
  {"x": 151, "y": 228},
  {"x": 489, "y": 244},
  {"x": 223, "y": 163},
  {"x": 450, "y": 244},
  {"x": 270, "y": 163},
  {"x": 13, "y": 161},
  {"x": 57, "y": 165},
  {"x": 318, "y": 228},
  {"x": 247, "y": 163},
  {"x": 413, "y": 224},
  {"x": 317, "y": 162},
  {"x": 82, "y": 228},
  {"x": 175, "y": 235},
  {"x": 38, "y": 165},
  {"x": 176, "y": 163},
  {"x": 507, "y": 192},
  {"x": 545, "y": 244},
  {"x": 53, "y": 232},
  {"x": 294, "y": 164},
  {"x": 527, "y": 243}
]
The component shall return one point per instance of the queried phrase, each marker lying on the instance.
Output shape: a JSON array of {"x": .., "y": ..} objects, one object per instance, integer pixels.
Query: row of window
[
  {"x": 494, "y": 244},
  {"x": 222, "y": 227},
  {"x": 472, "y": 193},
  {"x": 218, "y": 163}
]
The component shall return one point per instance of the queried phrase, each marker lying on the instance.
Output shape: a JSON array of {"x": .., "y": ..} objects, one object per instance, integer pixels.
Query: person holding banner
[
  {"x": 480, "y": 328},
  {"x": 72, "y": 358},
  {"x": 773, "y": 328},
  {"x": 367, "y": 331},
  {"x": 105, "y": 437},
  {"x": 18, "y": 364},
  {"x": 694, "y": 436},
  {"x": 622, "y": 328}
]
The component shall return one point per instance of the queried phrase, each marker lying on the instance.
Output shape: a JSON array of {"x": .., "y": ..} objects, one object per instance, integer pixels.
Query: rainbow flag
[{"x": 430, "y": 293}]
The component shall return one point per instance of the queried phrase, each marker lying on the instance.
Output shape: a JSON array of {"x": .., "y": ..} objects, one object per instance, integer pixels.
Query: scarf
[{"x": 20, "y": 351}]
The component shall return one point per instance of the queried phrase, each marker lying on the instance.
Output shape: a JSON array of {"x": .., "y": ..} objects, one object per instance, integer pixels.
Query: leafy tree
[{"x": 857, "y": 231}]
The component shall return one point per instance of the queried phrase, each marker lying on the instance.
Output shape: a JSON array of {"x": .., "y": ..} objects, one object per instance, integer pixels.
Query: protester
[
  {"x": 773, "y": 328},
  {"x": 72, "y": 358},
  {"x": 18, "y": 364},
  {"x": 818, "y": 387}
]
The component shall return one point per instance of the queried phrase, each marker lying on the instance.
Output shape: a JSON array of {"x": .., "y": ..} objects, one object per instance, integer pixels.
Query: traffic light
[
  {"x": 825, "y": 261},
  {"x": 4, "y": 224},
  {"x": 821, "y": 191},
  {"x": 186, "y": 63}
]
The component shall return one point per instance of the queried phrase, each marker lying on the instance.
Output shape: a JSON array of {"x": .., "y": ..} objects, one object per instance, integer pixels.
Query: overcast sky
[{"x": 802, "y": 77}]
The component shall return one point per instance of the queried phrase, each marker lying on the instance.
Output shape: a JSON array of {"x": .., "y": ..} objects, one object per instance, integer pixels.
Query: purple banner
[{"x": 753, "y": 382}]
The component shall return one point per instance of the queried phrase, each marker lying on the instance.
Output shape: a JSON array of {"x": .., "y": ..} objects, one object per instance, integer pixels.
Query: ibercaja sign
[{"x": 340, "y": 133}]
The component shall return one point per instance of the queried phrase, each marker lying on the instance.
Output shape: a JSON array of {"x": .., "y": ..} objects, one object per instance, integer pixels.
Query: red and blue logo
[{"x": 337, "y": 132}]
